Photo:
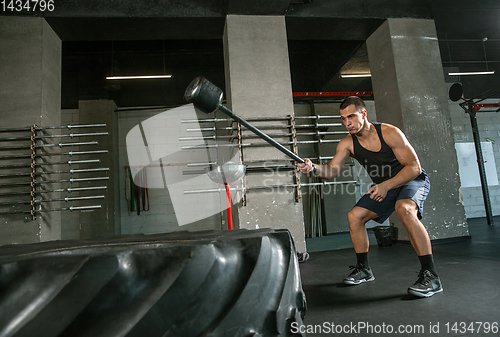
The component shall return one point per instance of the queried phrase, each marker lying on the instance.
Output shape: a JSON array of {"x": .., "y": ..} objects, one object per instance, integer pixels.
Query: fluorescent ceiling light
[
  {"x": 136, "y": 77},
  {"x": 473, "y": 73},
  {"x": 355, "y": 75}
]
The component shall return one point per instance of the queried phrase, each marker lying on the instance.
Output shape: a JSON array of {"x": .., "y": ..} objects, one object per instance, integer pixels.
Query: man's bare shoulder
[
  {"x": 392, "y": 134},
  {"x": 389, "y": 127},
  {"x": 347, "y": 140},
  {"x": 346, "y": 144}
]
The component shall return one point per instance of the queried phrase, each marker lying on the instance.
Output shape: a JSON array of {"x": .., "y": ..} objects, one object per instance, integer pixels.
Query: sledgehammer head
[{"x": 204, "y": 95}]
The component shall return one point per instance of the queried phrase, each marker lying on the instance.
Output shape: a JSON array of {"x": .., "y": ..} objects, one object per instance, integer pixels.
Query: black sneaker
[
  {"x": 302, "y": 257},
  {"x": 427, "y": 285},
  {"x": 359, "y": 275}
]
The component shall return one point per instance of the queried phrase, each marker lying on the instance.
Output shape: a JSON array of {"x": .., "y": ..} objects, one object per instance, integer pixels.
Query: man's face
[{"x": 353, "y": 120}]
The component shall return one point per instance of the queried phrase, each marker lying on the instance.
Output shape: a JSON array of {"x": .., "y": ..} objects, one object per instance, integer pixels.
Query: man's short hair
[{"x": 358, "y": 103}]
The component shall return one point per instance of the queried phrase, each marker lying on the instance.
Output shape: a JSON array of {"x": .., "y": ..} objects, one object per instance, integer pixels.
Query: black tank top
[{"x": 381, "y": 165}]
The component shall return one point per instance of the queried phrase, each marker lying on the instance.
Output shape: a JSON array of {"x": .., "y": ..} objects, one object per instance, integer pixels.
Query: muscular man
[{"x": 400, "y": 184}]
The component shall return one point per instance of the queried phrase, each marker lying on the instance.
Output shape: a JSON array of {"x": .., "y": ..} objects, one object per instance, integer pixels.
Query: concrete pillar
[
  {"x": 30, "y": 92},
  {"x": 104, "y": 221},
  {"x": 410, "y": 92},
  {"x": 258, "y": 84}
]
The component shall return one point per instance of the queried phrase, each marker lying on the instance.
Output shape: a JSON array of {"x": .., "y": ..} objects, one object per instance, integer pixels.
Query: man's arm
[
  {"x": 333, "y": 168},
  {"x": 405, "y": 154}
]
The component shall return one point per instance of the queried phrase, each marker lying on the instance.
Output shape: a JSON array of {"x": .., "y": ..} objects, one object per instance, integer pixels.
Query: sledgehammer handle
[
  {"x": 261, "y": 134},
  {"x": 207, "y": 97}
]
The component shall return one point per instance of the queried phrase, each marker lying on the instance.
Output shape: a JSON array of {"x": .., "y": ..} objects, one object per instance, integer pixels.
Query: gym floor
[{"x": 468, "y": 306}]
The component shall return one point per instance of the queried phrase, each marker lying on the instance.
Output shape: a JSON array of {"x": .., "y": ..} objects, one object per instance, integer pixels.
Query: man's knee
[
  {"x": 359, "y": 215},
  {"x": 406, "y": 210}
]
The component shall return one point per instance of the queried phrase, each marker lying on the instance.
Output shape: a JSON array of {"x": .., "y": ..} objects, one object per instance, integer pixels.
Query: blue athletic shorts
[{"x": 416, "y": 190}]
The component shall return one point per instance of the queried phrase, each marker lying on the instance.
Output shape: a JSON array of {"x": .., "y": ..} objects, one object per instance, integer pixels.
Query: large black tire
[{"x": 216, "y": 283}]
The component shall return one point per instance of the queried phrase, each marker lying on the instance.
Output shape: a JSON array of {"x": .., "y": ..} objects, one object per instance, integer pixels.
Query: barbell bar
[
  {"x": 31, "y": 147},
  {"x": 257, "y": 119},
  {"x": 72, "y": 180},
  {"x": 70, "y": 153},
  {"x": 207, "y": 146},
  {"x": 38, "y": 128},
  {"x": 266, "y": 127},
  {"x": 71, "y": 208},
  {"x": 215, "y": 190},
  {"x": 38, "y": 201},
  {"x": 69, "y": 190},
  {"x": 71, "y": 135},
  {"x": 298, "y": 134},
  {"x": 34, "y": 174},
  {"x": 69, "y": 162}
]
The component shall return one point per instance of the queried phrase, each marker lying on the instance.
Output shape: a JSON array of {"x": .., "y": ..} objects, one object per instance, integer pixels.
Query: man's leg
[
  {"x": 428, "y": 282},
  {"x": 407, "y": 209},
  {"x": 357, "y": 218}
]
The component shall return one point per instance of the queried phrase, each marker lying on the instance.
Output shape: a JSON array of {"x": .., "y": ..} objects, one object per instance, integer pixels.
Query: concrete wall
[
  {"x": 70, "y": 227},
  {"x": 101, "y": 222},
  {"x": 258, "y": 84},
  {"x": 30, "y": 92}
]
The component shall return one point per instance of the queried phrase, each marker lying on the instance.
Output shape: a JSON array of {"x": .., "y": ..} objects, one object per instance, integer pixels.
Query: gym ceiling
[{"x": 184, "y": 38}]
